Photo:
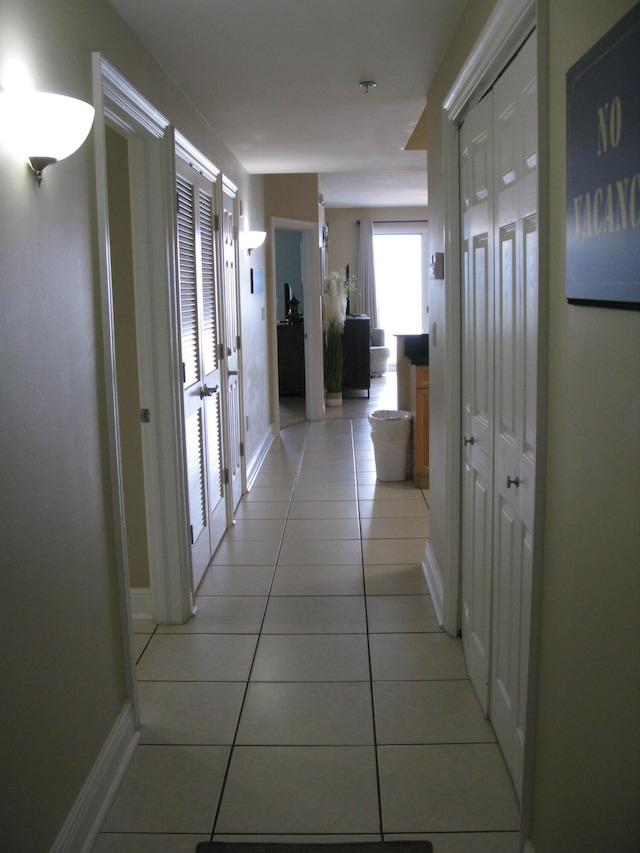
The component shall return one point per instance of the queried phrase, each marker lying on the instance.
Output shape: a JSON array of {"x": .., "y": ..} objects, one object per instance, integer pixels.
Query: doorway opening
[
  {"x": 306, "y": 258},
  {"x": 400, "y": 258},
  {"x": 290, "y": 325}
]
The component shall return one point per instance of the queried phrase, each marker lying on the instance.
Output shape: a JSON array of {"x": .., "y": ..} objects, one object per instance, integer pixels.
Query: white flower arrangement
[{"x": 335, "y": 290}]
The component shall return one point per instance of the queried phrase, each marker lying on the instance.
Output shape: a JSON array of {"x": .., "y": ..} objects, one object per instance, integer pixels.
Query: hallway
[{"x": 313, "y": 696}]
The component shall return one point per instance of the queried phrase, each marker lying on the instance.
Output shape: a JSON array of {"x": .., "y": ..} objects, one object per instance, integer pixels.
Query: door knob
[
  {"x": 206, "y": 391},
  {"x": 469, "y": 440},
  {"x": 513, "y": 482}
]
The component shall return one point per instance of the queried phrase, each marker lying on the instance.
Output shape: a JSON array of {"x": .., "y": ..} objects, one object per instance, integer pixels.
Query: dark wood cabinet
[
  {"x": 355, "y": 342},
  {"x": 291, "y": 358},
  {"x": 356, "y": 365}
]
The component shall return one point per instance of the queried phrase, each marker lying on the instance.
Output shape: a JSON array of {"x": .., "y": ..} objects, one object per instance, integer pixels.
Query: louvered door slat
[
  {"x": 209, "y": 318},
  {"x": 195, "y": 473},
  {"x": 187, "y": 278}
]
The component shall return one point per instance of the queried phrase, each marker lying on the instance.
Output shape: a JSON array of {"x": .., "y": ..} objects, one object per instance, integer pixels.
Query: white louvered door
[{"x": 199, "y": 317}]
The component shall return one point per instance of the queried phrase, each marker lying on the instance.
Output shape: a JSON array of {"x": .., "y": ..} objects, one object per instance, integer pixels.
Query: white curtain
[{"x": 367, "y": 301}]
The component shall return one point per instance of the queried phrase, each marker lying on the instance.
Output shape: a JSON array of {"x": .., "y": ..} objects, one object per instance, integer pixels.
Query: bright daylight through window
[{"x": 400, "y": 274}]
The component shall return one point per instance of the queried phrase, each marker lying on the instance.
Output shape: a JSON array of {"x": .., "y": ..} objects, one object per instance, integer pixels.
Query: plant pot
[{"x": 334, "y": 398}]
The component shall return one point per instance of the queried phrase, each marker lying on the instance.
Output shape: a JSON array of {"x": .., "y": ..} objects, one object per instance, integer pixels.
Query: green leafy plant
[
  {"x": 333, "y": 358},
  {"x": 335, "y": 290}
]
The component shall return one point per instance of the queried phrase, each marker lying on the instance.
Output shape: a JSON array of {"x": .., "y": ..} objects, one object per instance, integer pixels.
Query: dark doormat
[{"x": 348, "y": 847}]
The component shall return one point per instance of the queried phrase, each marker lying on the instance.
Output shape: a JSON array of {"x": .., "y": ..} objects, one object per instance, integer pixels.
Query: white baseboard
[
  {"x": 140, "y": 601},
  {"x": 254, "y": 464},
  {"x": 84, "y": 821},
  {"x": 434, "y": 582}
]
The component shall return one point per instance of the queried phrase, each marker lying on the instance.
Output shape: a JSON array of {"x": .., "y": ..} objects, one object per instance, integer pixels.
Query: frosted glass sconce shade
[
  {"x": 250, "y": 240},
  {"x": 44, "y": 127}
]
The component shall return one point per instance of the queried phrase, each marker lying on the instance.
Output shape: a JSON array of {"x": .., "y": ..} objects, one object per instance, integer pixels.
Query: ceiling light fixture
[
  {"x": 44, "y": 127},
  {"x": 368, "y": 84}
]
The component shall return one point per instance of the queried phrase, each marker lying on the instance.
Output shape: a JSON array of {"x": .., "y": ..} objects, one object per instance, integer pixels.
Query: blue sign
[{"x": 603, "y": 170}]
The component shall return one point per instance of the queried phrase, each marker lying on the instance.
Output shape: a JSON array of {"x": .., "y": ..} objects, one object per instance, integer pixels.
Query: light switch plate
[{"x": 437, "y": 265}]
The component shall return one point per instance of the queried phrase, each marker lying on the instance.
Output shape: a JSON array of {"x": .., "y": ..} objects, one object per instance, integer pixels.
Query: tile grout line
[
  {"x": 366, "y": 616},
  {"x": 255, "y": 652}
]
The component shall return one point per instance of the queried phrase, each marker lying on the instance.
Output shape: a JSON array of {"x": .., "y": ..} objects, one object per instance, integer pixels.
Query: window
[{"x": 400, "y": 257}]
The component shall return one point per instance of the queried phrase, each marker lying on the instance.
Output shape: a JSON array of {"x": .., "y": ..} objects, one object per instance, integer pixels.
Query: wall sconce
[
  {"x": 251, "y": 240},
  {"x": 44, "y": 127}
]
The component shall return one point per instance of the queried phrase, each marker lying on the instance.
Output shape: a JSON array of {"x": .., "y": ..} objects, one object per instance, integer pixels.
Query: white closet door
[
  {"x": 498, "y": 165},
  {"x": 476, "y": 182},
  {"x": 516, "y": 311},
  {"x": 231, "y": 337},
  {"x": 201, "y": 368}
]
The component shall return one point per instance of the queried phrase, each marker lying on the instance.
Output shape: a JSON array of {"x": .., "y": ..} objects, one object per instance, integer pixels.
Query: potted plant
[{"x": 335, "y": 290}]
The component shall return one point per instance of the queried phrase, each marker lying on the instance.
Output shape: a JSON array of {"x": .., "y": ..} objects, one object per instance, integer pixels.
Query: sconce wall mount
[
  {"x": 251, "y": 240},
  {"x": 43, "y": 127}
]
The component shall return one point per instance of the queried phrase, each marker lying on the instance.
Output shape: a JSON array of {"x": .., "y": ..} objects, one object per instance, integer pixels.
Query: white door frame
[
  {"x": 152, "y": 176},
  {"x": 312, "y": 300},
  {"x": 505, "y": 31}
]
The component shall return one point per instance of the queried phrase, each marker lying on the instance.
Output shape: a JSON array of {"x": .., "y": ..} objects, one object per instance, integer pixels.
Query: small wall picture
[{"x": 257, "y": 281}]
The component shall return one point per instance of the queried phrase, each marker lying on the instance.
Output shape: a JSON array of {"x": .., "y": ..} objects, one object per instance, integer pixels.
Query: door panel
[
  {"x": 212, "y": 392},
  {"x": 515, "y": 393},
  {"x": 201, "y": 369},
  {"x": 477, "y": 367},
  {"x": 498, "y": 162},
  {"x": 231, "y": 337}
]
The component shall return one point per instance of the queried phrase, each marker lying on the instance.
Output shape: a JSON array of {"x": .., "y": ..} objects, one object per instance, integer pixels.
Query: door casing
[{"x": 314, "y": 379}]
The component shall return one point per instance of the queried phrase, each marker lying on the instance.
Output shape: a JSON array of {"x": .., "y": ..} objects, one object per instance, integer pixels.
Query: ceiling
[{"x": 278, "y": 80}]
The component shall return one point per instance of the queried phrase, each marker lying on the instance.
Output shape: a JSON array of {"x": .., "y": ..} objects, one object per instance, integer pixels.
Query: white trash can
[{"x": 390, "y": 432}]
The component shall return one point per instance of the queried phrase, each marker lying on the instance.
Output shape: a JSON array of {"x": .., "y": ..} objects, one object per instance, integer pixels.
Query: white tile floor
[{"x": 313, "y": 696}]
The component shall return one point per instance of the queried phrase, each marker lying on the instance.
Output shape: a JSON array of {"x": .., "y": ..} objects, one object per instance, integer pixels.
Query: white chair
[{"x": 379, "y": 353}]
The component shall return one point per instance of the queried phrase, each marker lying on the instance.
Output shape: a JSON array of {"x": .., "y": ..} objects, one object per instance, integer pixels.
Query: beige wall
[
  {"x": 127, "y": 354},
  {"x": 587, "y": 778},
  {"x": 344, "y": 230},
  {"x": 62, "y": 658},
  {"x": 291, "y": 197},
  {"x": 586, "y": 781}
]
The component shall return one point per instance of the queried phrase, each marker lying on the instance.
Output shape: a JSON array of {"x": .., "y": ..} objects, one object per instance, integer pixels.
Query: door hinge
[
  {"x": 242, "y": 448},
  {"x": 145, "y": 416},
  {"x": 221, "y": 351},
  {"x": 184, "y": 373},
  {"x": 191, "y": 528},
  {"x": 226, "y": 476},
  {"x": 216, "y": 222},
  {"x": 238, "y": 343}
]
